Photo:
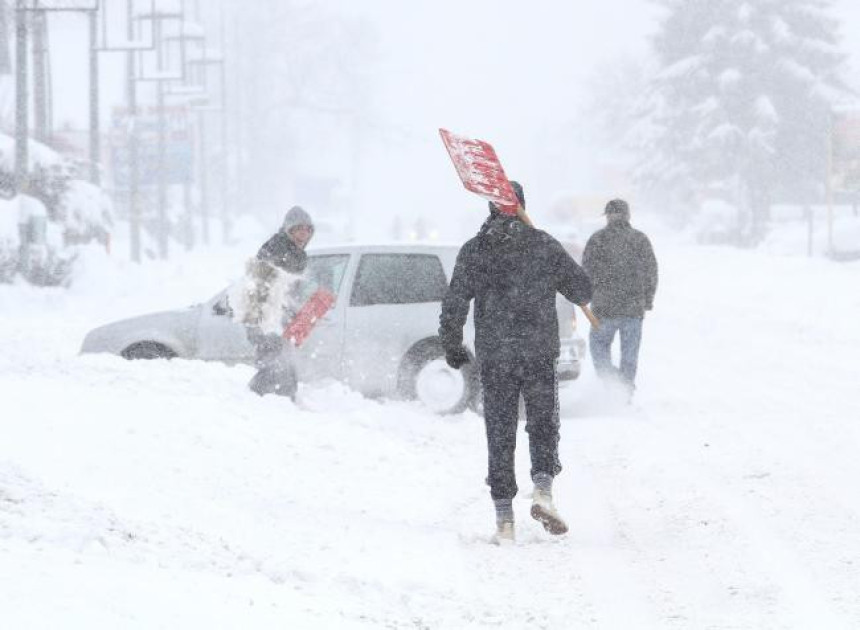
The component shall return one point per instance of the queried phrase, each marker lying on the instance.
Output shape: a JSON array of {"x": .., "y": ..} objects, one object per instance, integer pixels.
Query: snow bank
[{"x": 164, "y": 494}]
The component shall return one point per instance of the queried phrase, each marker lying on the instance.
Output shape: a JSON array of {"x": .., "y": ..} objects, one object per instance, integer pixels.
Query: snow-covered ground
[{"x": 164, "y": 494}]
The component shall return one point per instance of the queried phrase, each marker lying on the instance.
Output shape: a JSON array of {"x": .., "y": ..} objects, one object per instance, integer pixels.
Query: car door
[
  {"x": 394, "y": 303},
  {"x": 219, "y": 338},
  {"x": 321, "y": 355}
]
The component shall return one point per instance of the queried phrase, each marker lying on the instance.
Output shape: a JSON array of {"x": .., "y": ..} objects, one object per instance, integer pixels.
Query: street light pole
[
  {"x": 21, "y": 114},
  {"x": 203, "y": 175},
  {"x": 130, "y": 47},
  {"x": 95, "y": 140},
  {"x": 201, "y": 64},
  {"x": 37, "y": 13},
  {"x": 162, "y": 147},
  {"x": 38, "y": 23},
  {"x": 133, "y": 163},
  {"x": 157, "y": 17},
  {"x": 225, "y": 170}
]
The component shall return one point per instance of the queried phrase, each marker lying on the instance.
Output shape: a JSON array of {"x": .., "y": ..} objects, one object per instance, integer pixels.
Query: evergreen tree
[{"x": 740, "y": 107}]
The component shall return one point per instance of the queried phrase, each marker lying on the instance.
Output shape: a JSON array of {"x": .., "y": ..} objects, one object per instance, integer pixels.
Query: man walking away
[
  {"x": 269, "y": 298},
  {"x": 513, "y": 273},
  {"x": 623, "y": 270}
]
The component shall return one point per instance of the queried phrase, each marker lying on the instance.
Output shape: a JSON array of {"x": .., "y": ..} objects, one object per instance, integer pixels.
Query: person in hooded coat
[
  {"x": 623, "y": 268},
  {"x": 513, "y": 271},
  {"x": 269, "y": 297}
]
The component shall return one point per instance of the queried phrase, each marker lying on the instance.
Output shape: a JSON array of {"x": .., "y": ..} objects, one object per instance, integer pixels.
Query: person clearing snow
[
  {"x": 269, "y": 297},
  {"x": 513, "y": 272}
]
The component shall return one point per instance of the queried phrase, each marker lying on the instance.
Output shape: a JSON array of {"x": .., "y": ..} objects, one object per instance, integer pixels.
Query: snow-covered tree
[{"x": 740, "y": 107}]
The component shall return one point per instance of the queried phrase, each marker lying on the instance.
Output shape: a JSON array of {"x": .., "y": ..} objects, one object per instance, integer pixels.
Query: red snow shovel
[
  {"x": 481, "y": 172},
  {"x": 301, "y": 326}
]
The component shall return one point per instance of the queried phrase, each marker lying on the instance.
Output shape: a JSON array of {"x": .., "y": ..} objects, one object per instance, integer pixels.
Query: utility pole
[
  {"x": 38, "y": 21},
  {"x": 204, "y": 180},
  {"x": 226, "y": 227},
  {"x": 5, "y": 57},
  {"x": 21, "y": 114},
  {"x": 95, "y": 139},
  {"x": 130, "y": 47},
  {"x": 190, "y": 33},
  {"x": 202, "y": 64},
  {"x": 157, "y": 17},
  {"x": 163, "y": 228},
  {"x": 829, "y": 182},
  {"x": 133, "y": 157}
]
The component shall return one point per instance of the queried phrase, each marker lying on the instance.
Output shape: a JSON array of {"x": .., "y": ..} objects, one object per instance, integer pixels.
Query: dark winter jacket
[
  {"x": 283, "y": 253},
  {"x": 623, "y": 269},
  {"x": 513, "y": 272}
]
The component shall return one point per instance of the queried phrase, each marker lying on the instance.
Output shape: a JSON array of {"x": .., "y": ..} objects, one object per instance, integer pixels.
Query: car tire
[
  {"x": 427, "y": 378},
  {"x": 148, "y": 350}
]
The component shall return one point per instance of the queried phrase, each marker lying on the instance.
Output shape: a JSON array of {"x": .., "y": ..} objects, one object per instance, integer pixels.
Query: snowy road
[{"x": 163, "y": 494}]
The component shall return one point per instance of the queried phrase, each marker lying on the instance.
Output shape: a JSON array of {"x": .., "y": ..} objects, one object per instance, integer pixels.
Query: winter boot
[
  {"x": 545, "y": 513},
  {"x": 505, "y": 533},
  {"x": 273, "y": 380},
  {"x": 504, "y": 522}
]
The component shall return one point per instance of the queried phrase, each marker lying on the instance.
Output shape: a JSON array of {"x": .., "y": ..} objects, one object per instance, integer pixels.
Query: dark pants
[
  {"x": 600, "y": 342},
  {"x": 503, "y": 381},
  {"x": 276, "y": 373}
]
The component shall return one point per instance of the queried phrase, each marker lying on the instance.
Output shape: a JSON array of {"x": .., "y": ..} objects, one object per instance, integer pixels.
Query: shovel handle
[{"x": 525, "y": 218}]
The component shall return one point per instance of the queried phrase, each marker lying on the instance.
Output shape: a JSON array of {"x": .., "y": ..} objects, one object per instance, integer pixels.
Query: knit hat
[
  {"x": 618, "y": 207},
  {"x": 296, "y": 216}
]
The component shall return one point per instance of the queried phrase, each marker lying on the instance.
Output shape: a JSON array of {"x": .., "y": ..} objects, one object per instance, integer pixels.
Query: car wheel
[
  {"x": 427, "y": 378},
  {"x": 148, "y": 350}
]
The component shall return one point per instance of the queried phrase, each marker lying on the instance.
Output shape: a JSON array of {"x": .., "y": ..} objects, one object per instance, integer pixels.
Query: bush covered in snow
[
  {"x": 40, "y": 232},
  {"x": 8, "y": 241}
]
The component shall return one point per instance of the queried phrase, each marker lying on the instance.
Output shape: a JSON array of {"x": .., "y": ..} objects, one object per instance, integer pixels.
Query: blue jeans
[{"x": 600, "y": 342}]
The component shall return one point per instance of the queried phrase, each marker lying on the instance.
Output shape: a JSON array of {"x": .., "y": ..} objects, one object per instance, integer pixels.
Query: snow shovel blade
[
  {"x": 480, "y": 170},
  {"x": 301, "y": 326}
]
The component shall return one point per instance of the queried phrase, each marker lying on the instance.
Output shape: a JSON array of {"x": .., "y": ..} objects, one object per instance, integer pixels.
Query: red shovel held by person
[
  {"x": 301, "y": 326},
  {"x": 481, "y": 172}
]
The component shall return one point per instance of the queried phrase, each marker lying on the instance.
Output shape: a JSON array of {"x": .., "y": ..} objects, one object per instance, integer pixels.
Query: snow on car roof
[{"x": 383, "y": 247}]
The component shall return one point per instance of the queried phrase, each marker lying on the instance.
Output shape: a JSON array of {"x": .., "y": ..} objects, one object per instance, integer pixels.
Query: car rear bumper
[{"x": 571, "y": 354}]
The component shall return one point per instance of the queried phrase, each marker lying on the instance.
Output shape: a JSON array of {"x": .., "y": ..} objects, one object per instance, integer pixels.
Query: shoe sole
[{"x": 551, "y": 523}]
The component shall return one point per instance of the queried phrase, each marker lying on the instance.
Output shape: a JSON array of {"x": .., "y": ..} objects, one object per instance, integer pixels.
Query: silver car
[{"x": 380, "y": 338}]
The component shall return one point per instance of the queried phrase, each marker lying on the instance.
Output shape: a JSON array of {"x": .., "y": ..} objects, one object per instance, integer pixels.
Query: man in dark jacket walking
[
  {"x": 270, "y": 297},
  {"x": 513, "y": 272},
  {"x": 623, "y": 268}
]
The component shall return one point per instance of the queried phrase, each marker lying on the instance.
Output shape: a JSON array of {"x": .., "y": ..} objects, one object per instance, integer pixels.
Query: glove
[{"x": 457, "y": 357}]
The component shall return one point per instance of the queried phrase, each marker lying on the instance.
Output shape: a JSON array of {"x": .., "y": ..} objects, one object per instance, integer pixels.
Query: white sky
[{"x": 504, "y": 70}]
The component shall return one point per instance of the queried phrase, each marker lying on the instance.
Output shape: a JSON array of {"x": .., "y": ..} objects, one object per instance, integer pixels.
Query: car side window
[
  {"x": 327, "y": 271},
  {"x": 398, "y": 279}
]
